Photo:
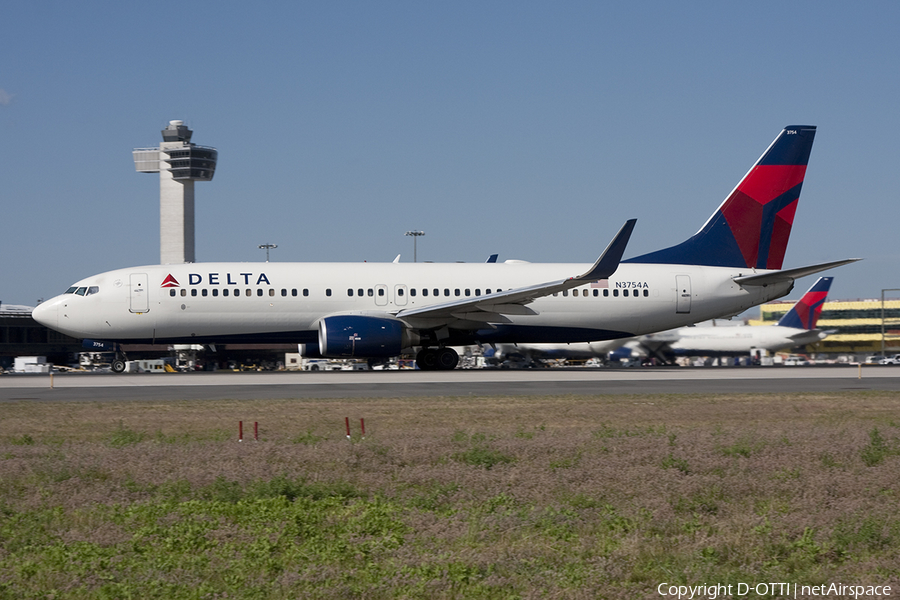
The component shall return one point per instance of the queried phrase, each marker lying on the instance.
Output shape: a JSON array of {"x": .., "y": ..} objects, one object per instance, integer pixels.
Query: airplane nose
[{"x": 47, "y": 314}]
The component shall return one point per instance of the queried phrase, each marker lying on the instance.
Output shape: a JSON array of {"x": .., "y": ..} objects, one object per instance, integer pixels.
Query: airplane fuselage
[
  {"x": 711, "y": 341},
  {"x": 284, "y": 302}
]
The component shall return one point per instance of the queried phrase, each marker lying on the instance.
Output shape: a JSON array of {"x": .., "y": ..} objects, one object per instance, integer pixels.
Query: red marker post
[
  {"x": 255, "y": 431},
  {"x": 240, "y": 431},
  {"x": 362, "y": 425},
  {"x": 347, "y": 422}
]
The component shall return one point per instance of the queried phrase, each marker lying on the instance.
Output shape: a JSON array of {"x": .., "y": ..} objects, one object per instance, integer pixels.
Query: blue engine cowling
[{"x": 345, "y": 336}]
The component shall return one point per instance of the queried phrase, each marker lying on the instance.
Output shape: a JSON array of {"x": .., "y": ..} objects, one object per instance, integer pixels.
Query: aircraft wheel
[
  {"x": 447, "y": 359},
  {"x": 427, "y": 359},
  {"x": 118, "y": 365}
]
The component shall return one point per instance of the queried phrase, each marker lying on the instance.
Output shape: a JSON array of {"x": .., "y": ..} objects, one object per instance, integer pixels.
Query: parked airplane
[
  {"x": 796, "y": 328},
  {"x": 531, "y": 354},
  {"x": 377, "y": 310}
]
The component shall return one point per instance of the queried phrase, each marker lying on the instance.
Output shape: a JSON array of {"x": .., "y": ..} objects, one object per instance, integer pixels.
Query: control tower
[{"x": 179, "y": 164}]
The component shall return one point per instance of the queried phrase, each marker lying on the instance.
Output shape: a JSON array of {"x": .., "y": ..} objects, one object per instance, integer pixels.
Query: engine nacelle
[{"x": 348, "y": 336}]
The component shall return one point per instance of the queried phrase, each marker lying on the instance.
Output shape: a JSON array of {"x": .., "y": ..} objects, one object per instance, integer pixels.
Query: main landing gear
[
  {"x": 437, "y": 359},
  {"x": 117, "y": 365}
]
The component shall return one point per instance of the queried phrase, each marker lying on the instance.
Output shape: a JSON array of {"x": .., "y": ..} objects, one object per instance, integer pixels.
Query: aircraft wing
[
  {"x": 492, "y": 307},
  {"x": 790, "y": 274}
]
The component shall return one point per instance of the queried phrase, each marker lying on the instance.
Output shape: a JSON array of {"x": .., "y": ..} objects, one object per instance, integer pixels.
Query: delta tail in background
[
  {"x": 380, "y": 310},
  {"x": 796, "y": 328}
]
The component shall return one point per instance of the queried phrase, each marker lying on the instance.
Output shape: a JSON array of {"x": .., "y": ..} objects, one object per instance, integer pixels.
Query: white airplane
[
  {"x": 529, "y": 353},
  {"x": 796, "y": 328},
  {"x": 376, "y": 310}
]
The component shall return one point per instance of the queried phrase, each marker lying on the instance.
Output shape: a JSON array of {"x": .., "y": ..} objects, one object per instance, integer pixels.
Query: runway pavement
[{"x": 379, "y": 384}]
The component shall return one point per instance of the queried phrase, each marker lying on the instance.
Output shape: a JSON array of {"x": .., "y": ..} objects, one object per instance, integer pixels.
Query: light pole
[
  {"x": 267, "y": 248},
  {"x": 415, "y": 236},
  {"x": 882, "y": 316}
]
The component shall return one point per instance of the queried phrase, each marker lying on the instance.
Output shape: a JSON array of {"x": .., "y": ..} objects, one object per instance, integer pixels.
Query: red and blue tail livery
[
  {"x": 805, "y": 314},
  {"x": 752, "y": 226}
]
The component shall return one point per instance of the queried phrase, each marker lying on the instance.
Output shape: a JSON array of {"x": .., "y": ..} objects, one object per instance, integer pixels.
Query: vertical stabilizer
[
  {"x": 805, "y": 314},
  {"x": 752, "y": 226}
]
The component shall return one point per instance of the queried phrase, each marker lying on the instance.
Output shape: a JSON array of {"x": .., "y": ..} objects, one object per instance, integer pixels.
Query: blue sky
[{"x": 528, "y": 129}]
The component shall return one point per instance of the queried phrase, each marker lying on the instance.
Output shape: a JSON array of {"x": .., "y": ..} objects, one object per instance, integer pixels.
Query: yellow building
[{"x": 857, "y": 325}]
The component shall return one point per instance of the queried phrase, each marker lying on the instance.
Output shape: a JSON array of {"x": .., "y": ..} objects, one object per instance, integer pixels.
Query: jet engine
[{"x": 348, "y": 336}]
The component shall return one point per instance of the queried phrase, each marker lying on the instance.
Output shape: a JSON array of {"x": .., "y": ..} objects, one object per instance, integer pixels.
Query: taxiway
[{"x": 379, "y": 384}]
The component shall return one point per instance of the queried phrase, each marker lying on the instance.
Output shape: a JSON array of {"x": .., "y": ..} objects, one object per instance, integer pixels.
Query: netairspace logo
[{"x": 787, "y": 590}]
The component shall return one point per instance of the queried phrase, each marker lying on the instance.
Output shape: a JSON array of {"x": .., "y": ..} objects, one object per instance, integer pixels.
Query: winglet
[{"x": 608, "y": 262}]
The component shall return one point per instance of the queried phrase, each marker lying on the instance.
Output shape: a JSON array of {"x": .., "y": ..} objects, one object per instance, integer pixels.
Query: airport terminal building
[{"x": 857, "y": 325}]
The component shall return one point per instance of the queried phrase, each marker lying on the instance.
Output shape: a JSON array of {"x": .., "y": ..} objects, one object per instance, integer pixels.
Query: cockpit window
[
  {"x": 80, "y": 291},
  {"x": 71, "y": 290},
  {"x": 92, "y": 290}
]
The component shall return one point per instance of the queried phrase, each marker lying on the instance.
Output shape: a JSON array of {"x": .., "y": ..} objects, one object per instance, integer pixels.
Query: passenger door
[
  {"x": 683, "y": 294},
  {"x": 140, "y": 301}
]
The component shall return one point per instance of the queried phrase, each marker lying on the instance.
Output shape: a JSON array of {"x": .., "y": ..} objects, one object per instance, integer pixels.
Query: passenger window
[
  {"x": 424, "y": 291},
  {"x": 565, "y": 292},
  {"x": 380, "y": 292},
  {"x": 350, "y": 292},
  {"x": 328, "y": 292},
  {"x": 306, "y": 291},
  {"x": 204, "y": 292},
  {"x": 412, "y": 292},
  {"x": 271, "y": 292},
  {"x": 171, "y": 293},
  {"x": 360, "y": 293},
  {"x": 646, "y": 292},
  {"x": 616, "y": 293},
  {"x": 625, "y": 293},
  {"x": 488, "y": 291},
  {"x": 438, "y": 293},
  {"x": 456, "y": 292},
  {"x": 215, "y": 292},
  {"x": 468, "y": 292},
  {"x": 555, "y": 294},
  {"x": 225, "y": 292},
  {"x": 194, "y": 292},
  {"x": 293, "y": 291},
  {"x": 477, "y": 291},
  {"x": 284, "y": 292},
  {"x": 371, "y": 292},
  {"x": 399, "y": 291},
  {"x": 259, "y": 292},
  {"x": 183, "y": 292},
  {"x": 596, "y": 293},
  {"x": 605, "y": 293}
]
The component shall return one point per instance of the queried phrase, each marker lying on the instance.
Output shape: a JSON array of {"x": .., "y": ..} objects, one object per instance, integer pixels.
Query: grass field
[{"x": 519, "y": 497}]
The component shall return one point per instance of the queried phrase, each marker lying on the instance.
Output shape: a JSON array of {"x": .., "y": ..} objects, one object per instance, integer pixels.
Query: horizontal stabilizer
[{"x": 790, "y": 274}]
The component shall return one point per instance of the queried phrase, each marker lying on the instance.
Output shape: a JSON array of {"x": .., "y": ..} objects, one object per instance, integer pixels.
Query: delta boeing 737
[{"x": 378, "y": 310}]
